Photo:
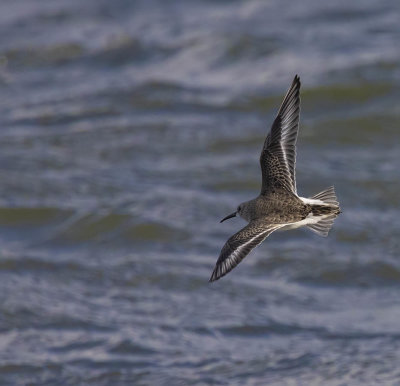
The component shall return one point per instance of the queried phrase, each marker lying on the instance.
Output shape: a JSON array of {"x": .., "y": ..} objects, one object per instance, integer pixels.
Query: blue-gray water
[{"x": 129, "y": 129}]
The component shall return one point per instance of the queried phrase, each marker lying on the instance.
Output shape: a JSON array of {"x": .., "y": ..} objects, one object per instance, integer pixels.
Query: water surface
[{"x": 129, "y": 129}]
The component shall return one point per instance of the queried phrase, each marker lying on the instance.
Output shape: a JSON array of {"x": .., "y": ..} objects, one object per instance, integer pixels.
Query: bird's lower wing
[{"x": 240, "y": 244}]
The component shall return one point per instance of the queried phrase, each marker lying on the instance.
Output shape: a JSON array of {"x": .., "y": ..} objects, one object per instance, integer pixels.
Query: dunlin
[{"x": 278, "y": 206}]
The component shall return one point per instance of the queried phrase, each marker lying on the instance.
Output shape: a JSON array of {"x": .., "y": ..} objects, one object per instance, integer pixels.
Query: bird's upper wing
[
  {"x": 278, "y": 157},
  {"x": 240, "y": 244}
]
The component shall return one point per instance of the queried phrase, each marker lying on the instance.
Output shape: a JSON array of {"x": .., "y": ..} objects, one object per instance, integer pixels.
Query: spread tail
[{"x": 326, "y": 207}]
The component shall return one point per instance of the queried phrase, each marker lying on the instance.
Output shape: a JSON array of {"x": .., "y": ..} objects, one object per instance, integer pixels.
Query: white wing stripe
[{"x": 240, "y": 248}]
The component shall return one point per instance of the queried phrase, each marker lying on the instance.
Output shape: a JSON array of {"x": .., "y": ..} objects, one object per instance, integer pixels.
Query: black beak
[{"x": 229, "y": 216}]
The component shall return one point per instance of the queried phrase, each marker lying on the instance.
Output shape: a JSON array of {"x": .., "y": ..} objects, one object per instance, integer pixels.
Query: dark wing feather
[
  {"x": 239, "y": 246},
  {"x": 278, "y": 157}
]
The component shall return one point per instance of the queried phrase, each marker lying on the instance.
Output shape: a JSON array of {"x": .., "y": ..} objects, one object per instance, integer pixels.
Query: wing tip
[
  {"x": 215, "y": 275},
  {"x": 221, "y": 269},
  {"x": 296, "y": 81},
  {"x": 212, "y": 278},
  {"x": 293, "y": 94}
]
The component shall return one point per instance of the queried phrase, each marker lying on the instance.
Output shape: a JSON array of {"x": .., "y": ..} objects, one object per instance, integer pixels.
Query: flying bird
[{"x": 278, "y": 206}]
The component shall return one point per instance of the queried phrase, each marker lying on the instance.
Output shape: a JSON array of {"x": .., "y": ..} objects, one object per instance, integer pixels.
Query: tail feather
[
  {"x": 327, "y": 196},
  {"x": 328, "y": 210},
  {"x": 323, "y": 226}
]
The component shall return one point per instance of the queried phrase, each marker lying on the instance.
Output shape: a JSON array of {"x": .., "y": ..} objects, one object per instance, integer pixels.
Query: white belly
[
  {"x": 312, "y": 201},
  {"x": 310, "y": 219}
]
